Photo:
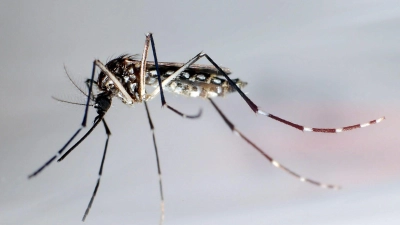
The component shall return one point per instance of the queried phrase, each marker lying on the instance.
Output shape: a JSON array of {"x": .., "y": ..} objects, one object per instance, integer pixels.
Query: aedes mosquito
[{"x": 125, "y": 78}]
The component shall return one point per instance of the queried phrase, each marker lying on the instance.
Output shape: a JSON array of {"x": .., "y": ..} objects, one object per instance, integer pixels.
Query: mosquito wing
[{"x": 196, "y": 68}]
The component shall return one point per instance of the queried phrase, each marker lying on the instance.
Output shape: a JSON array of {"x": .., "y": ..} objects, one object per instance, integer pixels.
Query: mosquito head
[{"x": 103, "y": 102}]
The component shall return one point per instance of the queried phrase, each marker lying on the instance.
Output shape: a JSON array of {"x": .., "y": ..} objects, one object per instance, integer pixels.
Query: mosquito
[{"x": 125, "y": 78}]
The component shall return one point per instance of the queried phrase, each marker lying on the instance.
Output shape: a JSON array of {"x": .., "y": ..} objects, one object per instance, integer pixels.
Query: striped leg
[
  {"x": 108, "y": 132},
  {"x": 321, "y": 130},
  {"x": 158, "y": 165},
  {"x": 270, "y": 159},
  {"x": 257, "y": 110},
  {"x": 58, "y": 154}
]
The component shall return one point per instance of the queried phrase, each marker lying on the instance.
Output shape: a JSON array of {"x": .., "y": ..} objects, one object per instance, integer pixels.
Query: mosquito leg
[
  {"x": 100, "y": 171},
  {"x": 270, "y": 159},
  {"x": 55, "y": 156},
  {"x": 143, "y": 64},
  {"x": 158, "y": 164},
  {"x": 89, "y": 95},
  {"x": 169, "y": 79},
  {"x": 256, "y": 109},
  {"x": 83, "y": 124},
  {"x": 98, "y": 119}
]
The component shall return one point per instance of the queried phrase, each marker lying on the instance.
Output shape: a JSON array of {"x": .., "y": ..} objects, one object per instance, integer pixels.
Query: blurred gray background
[{"x": 317, "y": 63}]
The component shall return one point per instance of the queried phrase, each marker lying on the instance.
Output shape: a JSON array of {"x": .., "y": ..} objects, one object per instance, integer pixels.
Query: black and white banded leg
[
  {"x": 257, "y": 110},
  {"x": 55, "y": 156},
  {"x": 108, "y": 132},
  {"x": 158, "y": 164},
  {"x": 269, "y": 158}
]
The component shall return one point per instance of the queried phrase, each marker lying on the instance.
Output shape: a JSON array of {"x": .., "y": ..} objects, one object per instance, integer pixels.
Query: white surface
[{"x": 317, "y": 63}]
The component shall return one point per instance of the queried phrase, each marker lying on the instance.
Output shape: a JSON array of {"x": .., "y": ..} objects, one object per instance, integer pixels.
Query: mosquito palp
[{"x": 126, "y": 77}]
